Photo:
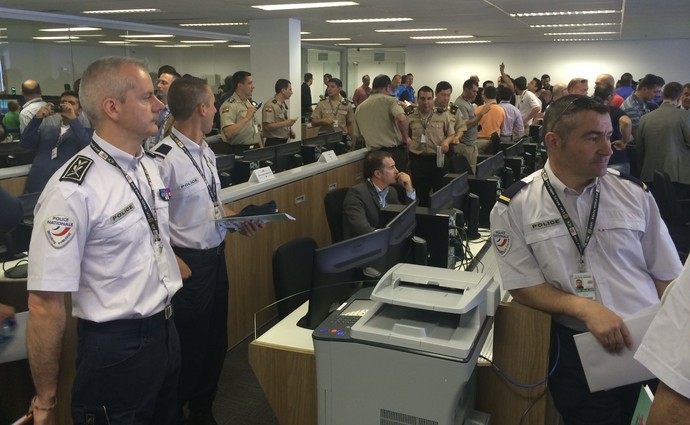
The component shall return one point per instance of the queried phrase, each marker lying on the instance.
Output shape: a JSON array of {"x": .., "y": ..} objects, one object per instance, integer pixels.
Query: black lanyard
[
  {"x": 150, "y": 215},
  {"x": 212, "y": 190},
  {"x": 569, "y": 222},
  {"x": 425, "y": 124}
]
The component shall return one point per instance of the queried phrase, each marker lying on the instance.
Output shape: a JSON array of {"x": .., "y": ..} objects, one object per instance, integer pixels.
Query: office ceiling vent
[
  {"x": 323, "y": 57},
  {"x": 379, "y": 56},
  {"x": 389, "y": 417}
]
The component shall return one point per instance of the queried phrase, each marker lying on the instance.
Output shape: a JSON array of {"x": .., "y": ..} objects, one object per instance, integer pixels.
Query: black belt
[
  {"x": 192, "y": 252},
  {"x": 124, "y": 325},
  {"x": 424, "y": 155},
  {"x": 389, "y": 149}
]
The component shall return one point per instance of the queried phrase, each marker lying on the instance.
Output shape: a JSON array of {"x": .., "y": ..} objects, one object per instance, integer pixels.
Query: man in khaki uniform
[
  {"x": 276, "y": 122},
  {"x": 333, "y": 113},
  {"x": 238, "y": 124},
  {"x": 382, "y": 123},
  {"x": 432, "y": 131},
  {"x": 442, "y": 102}
]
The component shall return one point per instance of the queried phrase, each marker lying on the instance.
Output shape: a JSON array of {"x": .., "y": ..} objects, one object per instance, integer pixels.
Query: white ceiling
[{"x": 484, "y": 19}]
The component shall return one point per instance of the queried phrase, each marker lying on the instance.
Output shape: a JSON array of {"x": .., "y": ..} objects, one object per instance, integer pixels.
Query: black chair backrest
[
  {"x": 333, "y": 204},
  {"x": 292, "y": 273}
]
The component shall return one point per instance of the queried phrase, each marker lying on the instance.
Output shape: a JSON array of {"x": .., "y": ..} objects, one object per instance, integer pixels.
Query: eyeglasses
[{"x": 579, "y": 102}]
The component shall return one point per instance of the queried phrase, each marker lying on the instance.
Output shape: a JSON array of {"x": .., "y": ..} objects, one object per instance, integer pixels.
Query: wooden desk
[{"x": 13, "y": 179}]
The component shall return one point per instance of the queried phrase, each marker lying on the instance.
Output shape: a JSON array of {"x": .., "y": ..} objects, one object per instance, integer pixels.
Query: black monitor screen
[
  {"x": 491, "y": 166},
  {"x": 262, "y": 154},
  {"x": 513, "y": 149},
  {"x": 442, "y": 198},
  {"x": 314, "y": 141},
  {"x": 338, "y": 272},
  {"x": 461, "y": 187},
  {"x": 288, "y": 156}
]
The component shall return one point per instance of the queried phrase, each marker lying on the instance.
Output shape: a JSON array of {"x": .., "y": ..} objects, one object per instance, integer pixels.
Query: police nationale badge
[
  {"x": 501, "y": 240},
  {"x": 59, "y": 230}
]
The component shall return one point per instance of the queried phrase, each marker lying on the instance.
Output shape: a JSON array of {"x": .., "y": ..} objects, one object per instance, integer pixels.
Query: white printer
[{"x": 406, "y": 355}]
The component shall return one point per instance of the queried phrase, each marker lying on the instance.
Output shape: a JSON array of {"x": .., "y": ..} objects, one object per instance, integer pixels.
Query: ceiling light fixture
[
  {"x": 412, "y": 30},
  {"x": 358, "y": 44},
  {"x": 123, "y": 42},
  {"x": 464, "y": 42},
  {"x": 203, "y": 41},
  {"x": 118, "y": 11},
  {"x": 71, "y": 29},
  {"x": 239, "y": 46},
  {"x": 600, "y": 24},
  {"x": 293, "y": 6},
  {"x": 366, "y": 20},
  {"x": 215, "y": 24},
  {"x": 327, "y": 39},
  {"x": 57, "y": 37},
  {"x": 584, "y": 39},
  {"x": 440, "y": 37},
  {"x": 564, "y": 13},
  {"x": 148, "y": 36},
  {"x": 582, "y": 33},
  {"x": 173, "y": 45}
]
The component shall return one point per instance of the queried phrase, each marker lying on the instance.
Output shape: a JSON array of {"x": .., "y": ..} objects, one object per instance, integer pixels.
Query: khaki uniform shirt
[
  {"x": 275, "y": 111},
  {"x": 231, "y": 112},
  {"x": 340, "y": 110},
  {"x": 375, "y": 121},
  {"x": 434, "y": 128}
]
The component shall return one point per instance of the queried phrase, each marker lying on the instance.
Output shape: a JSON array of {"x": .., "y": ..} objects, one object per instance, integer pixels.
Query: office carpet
[{"x": 240, "y": 400}]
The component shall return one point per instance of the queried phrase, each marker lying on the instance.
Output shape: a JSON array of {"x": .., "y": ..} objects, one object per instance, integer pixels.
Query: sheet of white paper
[
  {"x": 606, "y": 370},
  {"x": 16, "y": 348}
]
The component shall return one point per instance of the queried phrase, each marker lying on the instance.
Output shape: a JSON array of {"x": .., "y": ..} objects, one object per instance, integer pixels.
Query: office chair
[
  {"x": 292, "y": 273},
  {"x": 675, "y": 212},
  {"x": 333, "y": 203}
]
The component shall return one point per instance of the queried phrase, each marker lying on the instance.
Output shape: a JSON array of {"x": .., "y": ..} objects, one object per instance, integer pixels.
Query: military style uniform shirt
[
  {"x": 91, "y": 237},
  {"x": 375, "y": 121},
  {"x": 192, "y": 211},
  {"x": 272, "y": 112},
  {"x": 629, "y": 246},
  {"x": 466, "y": 112},
  {"x": 340, "y": 110},
  {"x": 233, "y": 111},
  {"x": 429, "y": 131}
]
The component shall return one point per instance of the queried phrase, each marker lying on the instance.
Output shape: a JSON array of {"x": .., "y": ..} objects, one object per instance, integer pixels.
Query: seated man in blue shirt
[
  {"x": 364, "y": 200},
  {"x": 54, "y": 144}
]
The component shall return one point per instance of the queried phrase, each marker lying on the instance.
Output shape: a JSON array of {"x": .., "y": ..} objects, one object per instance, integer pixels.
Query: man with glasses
[{"x": 577, "y": 220}]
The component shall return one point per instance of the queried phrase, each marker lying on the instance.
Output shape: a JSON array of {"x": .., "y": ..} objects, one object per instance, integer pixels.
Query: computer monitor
[
  {"x": 225, "y": 165},
  {"x": 311, "y": 148},
  {"x": 513, "y": 149},
  {"x": 5, "y": 102},
  {"x": 13, "y": 154},
  {"x": 492, "y": 166},
  {"x": 251, "y": 160},
  {"x": 288, "y": 156},
  {"x": 461, "y": 187},
  {"x": 401, "y": 244},
  {"x": 443, "y": 198},
  {"x": 334, "y": 142},
  {"x": 339, "y": 272}
]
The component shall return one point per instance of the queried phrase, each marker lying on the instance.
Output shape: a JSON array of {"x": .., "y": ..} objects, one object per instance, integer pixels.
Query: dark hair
[
  {"x": 404, "y": 79},
  {"x": 490, "y": 92},
  {"x": 337, "y": 81},
  {"x": 425, "y": 89},
  {"x": 374, "y": 161},
  {"x": 227, "y": 81},
  {"x": 504, "y": 93},
  {"x": 185, "y": 95},
  {"x": 537, "y": 82},
  {"x": 468, "y": 84},
  {"x": 308, "y": 76},
  {"x": 626, "y": 79},
  {"x": 381, "y": 82},
  {"x": 487, "y": 83},
  {"x": 545, "y": 76},
  {"x": 69, "y": 93},
  {"x": 559, "y": 116},
  {"x": 281, "y": 84},
  {"x": 520, "y": 83},
  {"x": 13, "y": 105},
  {"x": 327, "y": 75},
  {"x": 167, "y": 69},
  {"x": 239, "y": 77},
  {"x": 603, "y": 91},
  {"x": 650, "y": 81},
  {"x": 443, "y": 85},
  {"x": 673, "y": 90}
]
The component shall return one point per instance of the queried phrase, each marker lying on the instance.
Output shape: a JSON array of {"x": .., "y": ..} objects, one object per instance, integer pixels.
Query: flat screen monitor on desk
[
  {"x": 334, "y": 142},
  {"x": 492, "y": 166},
  {"x": 225, "y": 163},
  {"x": 288, "y": 156},
  {"x": 251, "y": 160},
  {"x": 401, "y": 246},
  {"x": 513, "y": 149},
  {"x": 339, "y": 272},
  {"x": 13, "y": 154},
  {"x": 311, "y": 148}
]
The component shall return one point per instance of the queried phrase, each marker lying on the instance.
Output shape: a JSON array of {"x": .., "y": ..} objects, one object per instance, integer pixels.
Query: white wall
[{"x": 562, "y": 61}]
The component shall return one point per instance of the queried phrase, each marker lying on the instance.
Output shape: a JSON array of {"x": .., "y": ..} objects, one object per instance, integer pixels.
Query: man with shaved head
[
  {"x": 31, "y": 91},
  {"x": 608, "y": 79}
]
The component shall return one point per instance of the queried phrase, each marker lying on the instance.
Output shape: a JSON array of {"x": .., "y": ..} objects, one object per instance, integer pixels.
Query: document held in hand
[
  {"x": 235, "y": 222},
  {"x": 606, "y": 370}
]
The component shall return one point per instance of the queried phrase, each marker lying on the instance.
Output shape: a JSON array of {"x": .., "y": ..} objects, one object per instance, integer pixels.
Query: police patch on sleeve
[
  {"x": 501, "y": 240},
  {"x": 59, "y": 230}
]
